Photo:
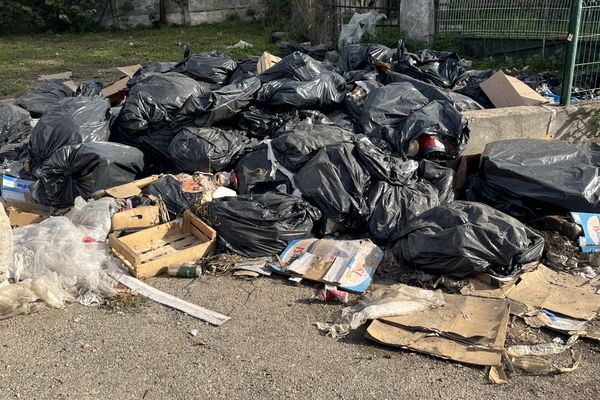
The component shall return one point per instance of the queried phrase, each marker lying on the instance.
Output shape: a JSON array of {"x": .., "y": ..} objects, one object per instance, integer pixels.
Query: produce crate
[{"x": 151, "y": 251}]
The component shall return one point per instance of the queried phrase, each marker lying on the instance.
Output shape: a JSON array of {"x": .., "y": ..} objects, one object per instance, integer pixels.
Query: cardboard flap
[
  {"x": 507, "y": 91},
  {"x": 130, "y": 70},
  {"x": 559, "y": 293},
  {"x": 266, "y": 61},
  {"x": 132, "y": 188}
]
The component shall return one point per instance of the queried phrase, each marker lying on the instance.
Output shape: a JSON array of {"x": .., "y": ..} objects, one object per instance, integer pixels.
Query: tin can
[{"x": 185, "y": 271}]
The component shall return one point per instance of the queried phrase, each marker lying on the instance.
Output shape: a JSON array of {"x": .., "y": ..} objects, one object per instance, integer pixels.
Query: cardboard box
[
  {"x": 152, "y": 251},
  {"x": 115, "y": 92},
  {"x": 15, "y": 189},
  {"x": 21, "y": 213},
  {"x": 507, "y": 91},
  {"x": 347, "y": 264}
]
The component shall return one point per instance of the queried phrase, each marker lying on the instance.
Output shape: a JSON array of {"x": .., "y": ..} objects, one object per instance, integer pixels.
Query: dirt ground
[{"x": 269, "y": 349}]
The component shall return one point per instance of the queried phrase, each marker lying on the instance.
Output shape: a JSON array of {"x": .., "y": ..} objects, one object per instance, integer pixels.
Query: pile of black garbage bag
[{"x": 366, "y": 148}]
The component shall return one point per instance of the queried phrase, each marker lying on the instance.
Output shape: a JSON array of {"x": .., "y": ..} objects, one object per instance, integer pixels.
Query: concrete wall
[
  {"x": 132, "y": 13},
  {"x": 572, "y": 123},
  {"x": 417, "y": 20}
]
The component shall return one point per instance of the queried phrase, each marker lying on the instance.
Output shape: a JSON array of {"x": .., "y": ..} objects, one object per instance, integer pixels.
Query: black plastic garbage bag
[
  {"x": 400, "y": 114},
  {"x": 13, "y": 121},
  {"x": 335, "y": 182},
  {"x": 461, "y": 102},
  {"x": 82, "y": 169},
  {"x": 72, "y": 120},
  {"x": 45, "y": 94},
  {"x": 169, "y": 89},
  {"x": 264, "y": 121},
  {"x": 362, "y": 55},
  {"x": 383, "y": 165},
  {"x": 152, "y": 104},
  {"x": 257, "y": 172},
  {"x": 211, "y": 67},
  {"x": 357, "y": 95},
  {"x": 220, "y": 105},
  {"x": 246, "y": 68},
  {"x": 148, "y": 70},
  {"x": 300, "y": 81},
  {"x": 469, "y": 82},
  {"x": 529, "y": 178},
  {"x": 440, "y": 68},
  {"x": 298, "y": 145},
  {"x": 15, "y": 128},
  {"x": 89, "y": 88},
  {"x": 172, "y": 192},
  {"x": 205, "y": 149},
  {"x": 393, "y": 206},
  {"x": 461, "y": 237},
  {"x": 318, "y": 52},
  {"x": 261, "y": 225}
]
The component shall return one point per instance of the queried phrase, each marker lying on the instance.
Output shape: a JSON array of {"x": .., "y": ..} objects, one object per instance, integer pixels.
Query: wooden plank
[
  {"x": 198, "y": 234},
  {"x": 183, "y": 243},
  {"x": 132, "y": 188},
  {"x": 205, "y": 228},
  {"x": 124, "y": 250},
  {"x": 160, "y": 265},
  {"x": 151, "y": 235},
  {"x": 166, "y": 299},
  {"x": 187, "y": 217}
]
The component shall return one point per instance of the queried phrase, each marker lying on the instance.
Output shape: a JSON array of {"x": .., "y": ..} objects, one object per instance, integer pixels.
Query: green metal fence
[
  {"x": 574, "y": 24},
  {"x": 586, "y": 68},
  {"x": 507, "y": 19}
]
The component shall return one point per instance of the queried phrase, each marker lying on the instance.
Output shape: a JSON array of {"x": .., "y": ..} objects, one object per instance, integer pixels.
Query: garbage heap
[{"x": 268, "y": 159}]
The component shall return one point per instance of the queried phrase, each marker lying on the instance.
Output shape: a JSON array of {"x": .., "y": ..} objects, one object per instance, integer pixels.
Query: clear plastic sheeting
[
  {"x": 388, "y": 301},
  {"x": 359, "y": 24},
  {"x": 59, "y": 259}
]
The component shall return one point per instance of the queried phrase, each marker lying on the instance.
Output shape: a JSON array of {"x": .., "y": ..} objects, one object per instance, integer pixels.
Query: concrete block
[{"x": 572, "y": 123}]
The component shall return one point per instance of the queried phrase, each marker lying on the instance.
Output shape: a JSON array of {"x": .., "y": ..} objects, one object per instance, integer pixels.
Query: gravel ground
[{"x": 269, "y": 349}]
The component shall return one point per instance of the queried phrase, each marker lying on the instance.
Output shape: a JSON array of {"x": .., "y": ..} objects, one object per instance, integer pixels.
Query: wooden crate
[{"x": 151, "y": 251}]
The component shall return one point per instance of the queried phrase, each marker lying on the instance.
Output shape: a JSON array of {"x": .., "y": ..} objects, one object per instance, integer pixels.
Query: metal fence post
[{"x": 572, "y": 38}]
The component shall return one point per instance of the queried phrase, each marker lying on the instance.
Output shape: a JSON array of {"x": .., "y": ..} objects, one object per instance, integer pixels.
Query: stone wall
[{"x": 133, "y": 13}]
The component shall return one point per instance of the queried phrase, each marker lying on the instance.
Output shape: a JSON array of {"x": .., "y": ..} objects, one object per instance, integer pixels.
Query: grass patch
[{"x": 94, "y": 55}]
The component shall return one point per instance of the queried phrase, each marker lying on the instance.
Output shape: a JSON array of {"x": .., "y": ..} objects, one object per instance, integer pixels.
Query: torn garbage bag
[
  {"x": 152, "y": 104},
  {"x": 440, "y": 68},
  {"x": 205, "y": 149},
  {"x": 71, "y": 120},
  {"x": 335, "y": 182},
  {"x": 13, "y": 122},
  {"x": 401, "y": 114},
  {"x": 89, "y": 88},
  {"x": 211, "y": 67},
  {"x": 300, "y": 81},
  {"x": 260, "y": 225},
  {"x": 177, "y": 193},
  {"x": 221, "y": 104},
  {"x": 361, "y": 56},
  {"x": 299, "y": 144},
  {"x": 259, "y": 172},
  {"x": 263, "y": 121},
  {"x": 80, "y": 170},
  {"x": 393, "y": 206},
  {"x": 383, "y": 165},
  {"x": 45, "y": 94},
  {"x": 529, "y": 178},
  {"x": 461, "y": 237}
]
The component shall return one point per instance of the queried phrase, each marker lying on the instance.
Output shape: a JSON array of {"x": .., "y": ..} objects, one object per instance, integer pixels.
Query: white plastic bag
[
  {"x": 6, "y": 243},
  {"x": 360, "y": 24},
  {"x": 386, "y": 302}
]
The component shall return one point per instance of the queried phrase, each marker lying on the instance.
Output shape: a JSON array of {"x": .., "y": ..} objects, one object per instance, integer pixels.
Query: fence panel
[{"x": 586, "y": 75}]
